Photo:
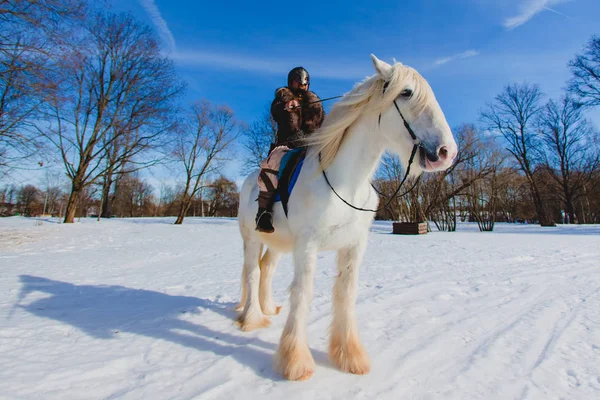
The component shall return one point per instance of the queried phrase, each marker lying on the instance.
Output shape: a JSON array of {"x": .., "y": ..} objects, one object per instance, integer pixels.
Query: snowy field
[{"x": 142, "y": 309}]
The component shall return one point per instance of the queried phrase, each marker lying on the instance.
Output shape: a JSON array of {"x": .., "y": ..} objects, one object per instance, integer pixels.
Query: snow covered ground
[{"x": 142, "y": 309}]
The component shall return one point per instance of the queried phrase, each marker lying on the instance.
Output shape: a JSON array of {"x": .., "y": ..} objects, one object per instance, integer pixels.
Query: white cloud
[
  {"x": 159, "y": 22},
  {"x": 464, "y": 54},
  {"x": 236, "y": 62},
  {"x": 331, "y": 69},
  {"x": 529, "y": 9}
]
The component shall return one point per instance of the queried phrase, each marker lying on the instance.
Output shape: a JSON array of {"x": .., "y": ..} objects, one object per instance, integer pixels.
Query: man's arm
[
  {"x": 288, "y": 120},
  {"x": 278, "y": 106},
  {"x": 313, "y": 113}
]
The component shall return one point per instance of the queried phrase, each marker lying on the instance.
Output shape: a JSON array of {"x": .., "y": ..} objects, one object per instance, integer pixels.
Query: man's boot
[
  {"x": 264, "y": 217},
  {"x": 264, "y": 221}
]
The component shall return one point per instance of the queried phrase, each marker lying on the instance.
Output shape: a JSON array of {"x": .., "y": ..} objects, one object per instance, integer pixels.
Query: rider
[{"x": 298, "y": 112}]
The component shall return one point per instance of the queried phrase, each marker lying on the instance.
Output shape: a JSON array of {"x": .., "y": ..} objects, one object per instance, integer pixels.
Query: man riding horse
[{"x": 298, "y": 112}]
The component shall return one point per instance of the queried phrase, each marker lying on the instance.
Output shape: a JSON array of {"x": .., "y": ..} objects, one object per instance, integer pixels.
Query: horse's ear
[{"x": 384, "y": 69}]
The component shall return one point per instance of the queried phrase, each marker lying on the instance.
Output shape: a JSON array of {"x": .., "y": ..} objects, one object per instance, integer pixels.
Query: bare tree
[
  {"x": 51, "y": 194},
  {"x": 223, "y": 198},
  {"x": 513, "y": 196},
  {"x": 7, "y": 196},
  {"x": 167, "y": 201},
  {"x": 585, "y": 68},
  {"x": 257, "y": 140},
  {"x": 590, "y": 201},
  {"x": 46, "y": 16},
  {"x": 53, "y": 200},
  {"x": 390, "y": 174},
  {"x": 19, "y": 85},
  {"x": 30, "y": 34},
  {"x": 28, "y": 198},
  {"x": 119, "y": 162},
  {"x": 571, "y": 156},
  {"x": 513, "y": 114},
  {"x": 87, "y": 201},
  {"x": 407, "y": 204},
  {"x": 135, "y": 197},
  {"x": 435, "y": 196},
  {"x": 443, "y": 188},
  {"x": 482, "y": 194},
  {"x": 5, "y": 206},
  {"x": 202, "y": 141},
  {"x": 114, "y": 83}
]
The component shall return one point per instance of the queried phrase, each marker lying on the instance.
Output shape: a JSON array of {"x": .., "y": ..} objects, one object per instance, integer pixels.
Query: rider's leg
[{"x": 267, "y": 185}]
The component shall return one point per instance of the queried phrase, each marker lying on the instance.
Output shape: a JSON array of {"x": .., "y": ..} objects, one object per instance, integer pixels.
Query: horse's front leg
[
  {"x": 293, "y": 359},
  {"x": 268, "y": 265},
  {"x": 345, "y": 349}
]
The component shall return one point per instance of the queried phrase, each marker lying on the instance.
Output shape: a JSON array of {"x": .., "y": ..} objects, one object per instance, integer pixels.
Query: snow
[{"x": 142, "y": 309}]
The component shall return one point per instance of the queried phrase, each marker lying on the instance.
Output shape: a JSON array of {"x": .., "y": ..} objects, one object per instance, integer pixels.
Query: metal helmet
[{"x": 299, "y": 75}]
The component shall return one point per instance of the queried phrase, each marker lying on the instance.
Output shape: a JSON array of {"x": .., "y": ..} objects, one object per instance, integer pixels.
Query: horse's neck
[{"x": 358, "y": 156}]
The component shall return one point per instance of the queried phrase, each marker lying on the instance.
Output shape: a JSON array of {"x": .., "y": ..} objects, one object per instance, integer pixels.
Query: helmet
[{"x": 300, "y": 75}]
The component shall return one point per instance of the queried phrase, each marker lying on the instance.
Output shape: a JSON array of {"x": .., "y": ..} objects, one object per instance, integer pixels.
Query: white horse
[{"x": 361, "y": 126}]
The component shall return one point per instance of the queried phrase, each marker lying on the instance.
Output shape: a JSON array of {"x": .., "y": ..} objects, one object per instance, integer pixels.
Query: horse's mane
[{"x": 366, "y": 96}]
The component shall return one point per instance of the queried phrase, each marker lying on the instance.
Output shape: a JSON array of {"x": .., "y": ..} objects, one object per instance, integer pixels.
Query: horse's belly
[{"x": 280, "y": 241}]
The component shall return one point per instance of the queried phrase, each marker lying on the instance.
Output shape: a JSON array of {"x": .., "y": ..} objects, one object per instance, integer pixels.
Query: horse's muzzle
[{"x": 436, "y": 160}]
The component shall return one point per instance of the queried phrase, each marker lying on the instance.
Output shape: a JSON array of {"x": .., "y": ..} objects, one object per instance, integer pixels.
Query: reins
[
  {"x": 327, "y": 99},
  {"x": 416, "y": 145}
]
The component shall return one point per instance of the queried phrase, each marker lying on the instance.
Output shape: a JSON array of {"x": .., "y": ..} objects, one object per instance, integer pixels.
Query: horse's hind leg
[
  {"x": 252, "y": 316},
  {"x": 268, "y": 264},
  {"x": 345, "y": 349}
]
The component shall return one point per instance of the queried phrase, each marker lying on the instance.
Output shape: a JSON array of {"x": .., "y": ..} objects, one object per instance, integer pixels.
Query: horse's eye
[{"x": 406, "y": 93}]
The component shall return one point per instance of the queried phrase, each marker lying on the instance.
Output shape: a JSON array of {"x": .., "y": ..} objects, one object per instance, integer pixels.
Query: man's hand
[{"x": 291, "y": 105}]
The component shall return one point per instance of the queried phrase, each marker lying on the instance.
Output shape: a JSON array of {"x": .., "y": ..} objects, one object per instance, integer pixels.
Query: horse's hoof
[
  {"x": 272, "y": 310},
  {"x": 248, "y": 324},
  {"x": 306, "y": 375},
  {"x": 296, "y": 371},
  {"x": 294, "y": 362},
  {"x": 349, "y": 356}
]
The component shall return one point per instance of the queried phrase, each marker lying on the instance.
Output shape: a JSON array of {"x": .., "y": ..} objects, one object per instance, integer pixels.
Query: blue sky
[{"x": 239, "y": 52}]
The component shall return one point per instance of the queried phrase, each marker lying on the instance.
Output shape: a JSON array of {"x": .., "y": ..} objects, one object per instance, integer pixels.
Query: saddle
[{"x": 289, "y": 170}]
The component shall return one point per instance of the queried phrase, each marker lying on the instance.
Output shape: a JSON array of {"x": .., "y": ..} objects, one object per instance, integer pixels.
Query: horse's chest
[{"x": 344, "y": 232}]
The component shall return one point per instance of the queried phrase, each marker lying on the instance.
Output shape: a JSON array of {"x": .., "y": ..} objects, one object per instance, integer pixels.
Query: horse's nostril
[{"x": 443, "y": 152}]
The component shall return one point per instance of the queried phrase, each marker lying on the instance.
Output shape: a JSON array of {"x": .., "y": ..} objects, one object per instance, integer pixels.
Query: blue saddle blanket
[{"x": 289, "y": 170}]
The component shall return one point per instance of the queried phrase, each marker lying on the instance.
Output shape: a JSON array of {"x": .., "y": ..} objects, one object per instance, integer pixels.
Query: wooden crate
[{"x": 409, "y": 228}]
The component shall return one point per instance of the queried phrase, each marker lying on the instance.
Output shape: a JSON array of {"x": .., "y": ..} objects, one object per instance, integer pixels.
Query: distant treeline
[{"x": 134, "y": 197}]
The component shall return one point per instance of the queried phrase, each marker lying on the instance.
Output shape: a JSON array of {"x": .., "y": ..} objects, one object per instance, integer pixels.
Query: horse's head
[{"x": 408, "y": 104}]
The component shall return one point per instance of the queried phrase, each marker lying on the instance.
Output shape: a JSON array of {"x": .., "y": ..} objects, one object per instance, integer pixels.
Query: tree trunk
[
  {"x": 571, "y": 211},
  {"x": 106, "y": 198},
  {"x": 585, "y": 203},
  {"x": 72, "y": 203},
  {"x": 453, "y": 216},
  {"x": 186, "y": 202},
  {"x": 543, "y": 218},
  {"x": 569, "y": 207},
  {"x": 540, "y": 210}
]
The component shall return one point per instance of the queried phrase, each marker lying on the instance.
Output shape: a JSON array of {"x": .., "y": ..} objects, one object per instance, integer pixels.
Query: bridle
[{"x": 417, "y": 144}]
